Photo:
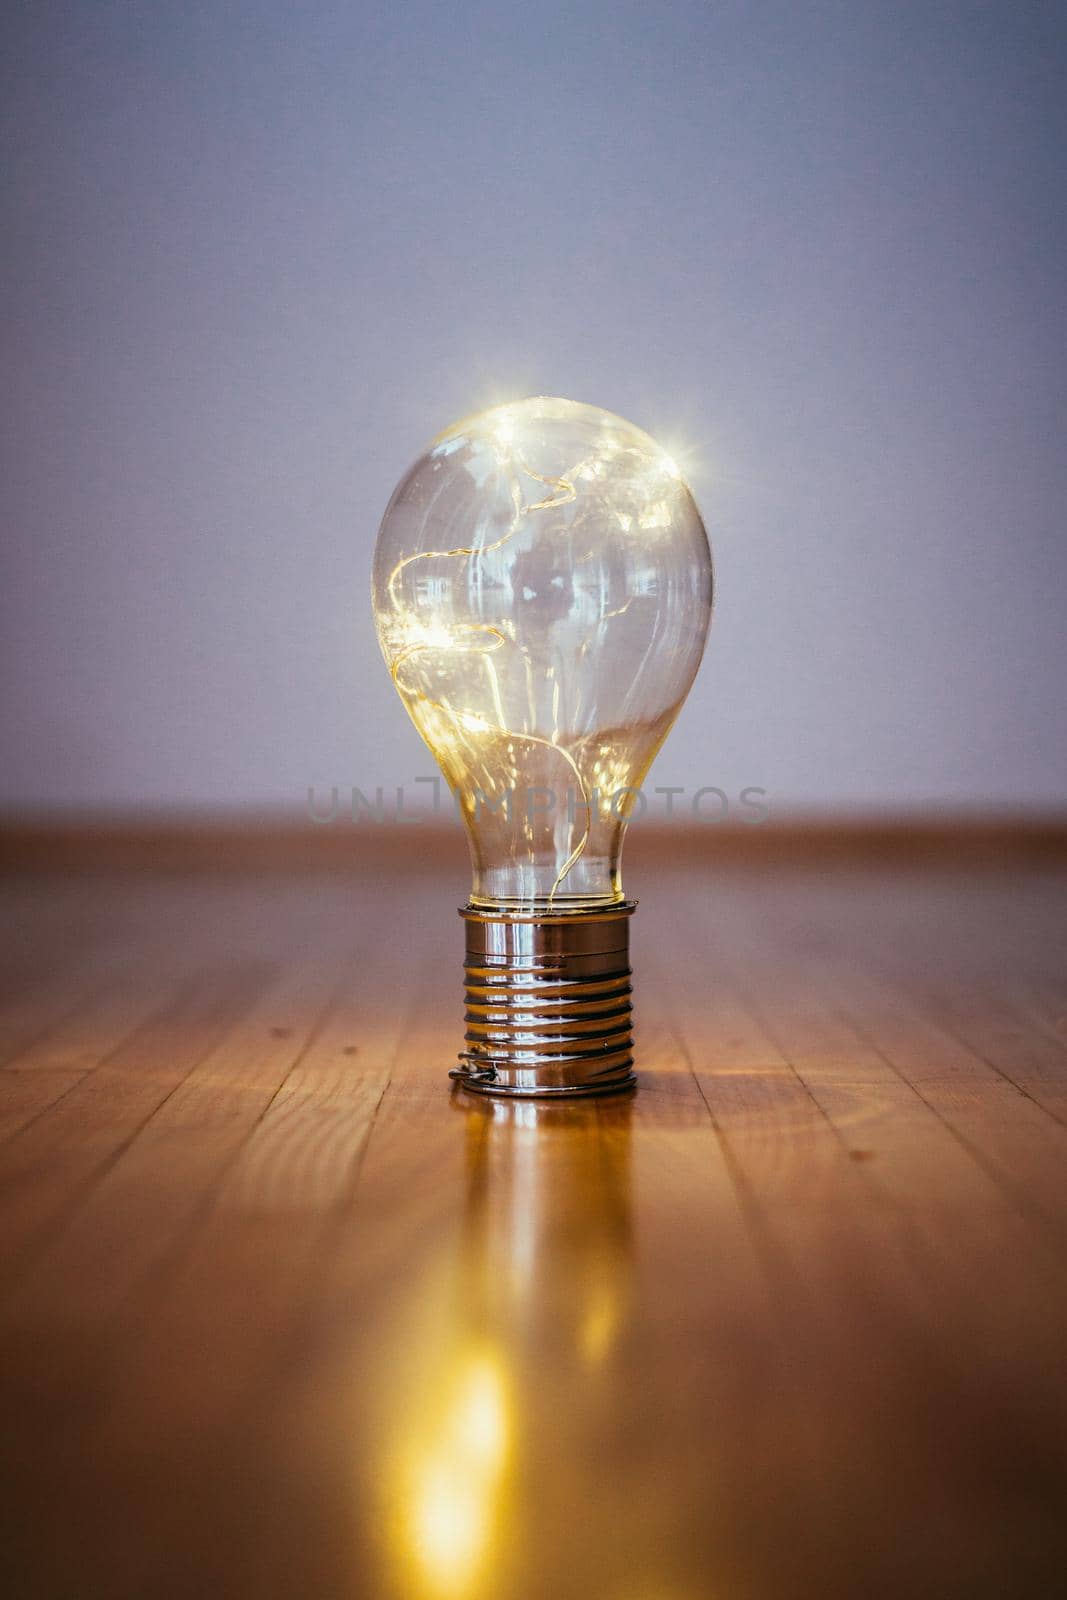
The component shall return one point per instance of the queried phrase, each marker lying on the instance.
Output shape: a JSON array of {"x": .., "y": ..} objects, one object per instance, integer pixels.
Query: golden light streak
[{"x": 452, "y": 1480}]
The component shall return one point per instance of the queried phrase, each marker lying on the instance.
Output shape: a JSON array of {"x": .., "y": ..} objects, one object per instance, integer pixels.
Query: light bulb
[{"x": 542, "y": 594}]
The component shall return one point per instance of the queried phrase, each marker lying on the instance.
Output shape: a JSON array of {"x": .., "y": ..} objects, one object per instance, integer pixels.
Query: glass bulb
[
  {"x": 542, "y": 591},
  {"x": 542, "y": 594}
]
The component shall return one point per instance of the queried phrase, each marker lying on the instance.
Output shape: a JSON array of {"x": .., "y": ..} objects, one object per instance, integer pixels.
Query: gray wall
[{"x": 256, "y": 255}]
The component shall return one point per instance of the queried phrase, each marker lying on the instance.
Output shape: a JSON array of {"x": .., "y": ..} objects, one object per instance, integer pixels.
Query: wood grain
[{"x": 282, "y": 1316}]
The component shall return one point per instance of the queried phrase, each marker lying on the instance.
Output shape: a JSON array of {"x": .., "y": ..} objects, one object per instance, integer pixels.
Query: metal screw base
[{"x": 548, "y": 1003}]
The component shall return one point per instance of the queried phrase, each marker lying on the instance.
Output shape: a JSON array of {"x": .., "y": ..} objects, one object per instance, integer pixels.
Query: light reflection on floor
[{"x": 500, "y": 1348}]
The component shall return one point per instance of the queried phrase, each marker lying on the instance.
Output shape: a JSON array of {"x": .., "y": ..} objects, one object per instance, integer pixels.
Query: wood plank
[
  {"x": 49, "y": 1167},
  {"x": 168, "y": 1170},
  {"x": 229, "y": 1314},
  {"x": 35, "y": 1008},
  {"x": 1011, "y": 1135},
  {"x": 1025, "y": 1050},
  {"x": 25, "y": 1096},
  {"x": 83, "y": 1037},
  {"x": 248, "y": 839},
  {"x": 775, "y": 1326},
  {"x": 882, "y": 1281}
]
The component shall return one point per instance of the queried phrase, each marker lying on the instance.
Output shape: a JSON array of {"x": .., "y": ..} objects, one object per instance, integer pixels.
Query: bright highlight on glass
[{"x": 542, "y": 593}]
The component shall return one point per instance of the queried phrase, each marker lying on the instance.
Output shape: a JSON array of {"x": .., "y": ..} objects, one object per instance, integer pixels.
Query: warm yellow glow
[
  {"x": 533, "y": 631},
  {"x": 417, "y": 636},
  {"x": 472, "y": 722},
  {"x": 504, "y": 429},
  {"x": 454, "y": 1480},
  {"x": 657, "y": 515},
  {"x": 447, "y": 1528},
  {"x": 480, "y": 1429},
  {"x": 599, "y": 1325}
]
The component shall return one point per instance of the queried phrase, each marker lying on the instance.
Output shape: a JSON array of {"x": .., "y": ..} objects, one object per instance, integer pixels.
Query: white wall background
[{"x": 258, "y": 254}]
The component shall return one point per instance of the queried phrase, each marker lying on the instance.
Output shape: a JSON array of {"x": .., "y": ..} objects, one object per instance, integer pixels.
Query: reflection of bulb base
[{"x": 548, "y": 1002}]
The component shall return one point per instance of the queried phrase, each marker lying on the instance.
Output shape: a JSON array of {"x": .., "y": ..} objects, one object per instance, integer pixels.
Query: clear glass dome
[{"x": 542, "y": 593}]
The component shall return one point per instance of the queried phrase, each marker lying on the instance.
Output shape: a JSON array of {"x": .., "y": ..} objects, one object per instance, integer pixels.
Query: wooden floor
[{"x": 284, "y": 1317}]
